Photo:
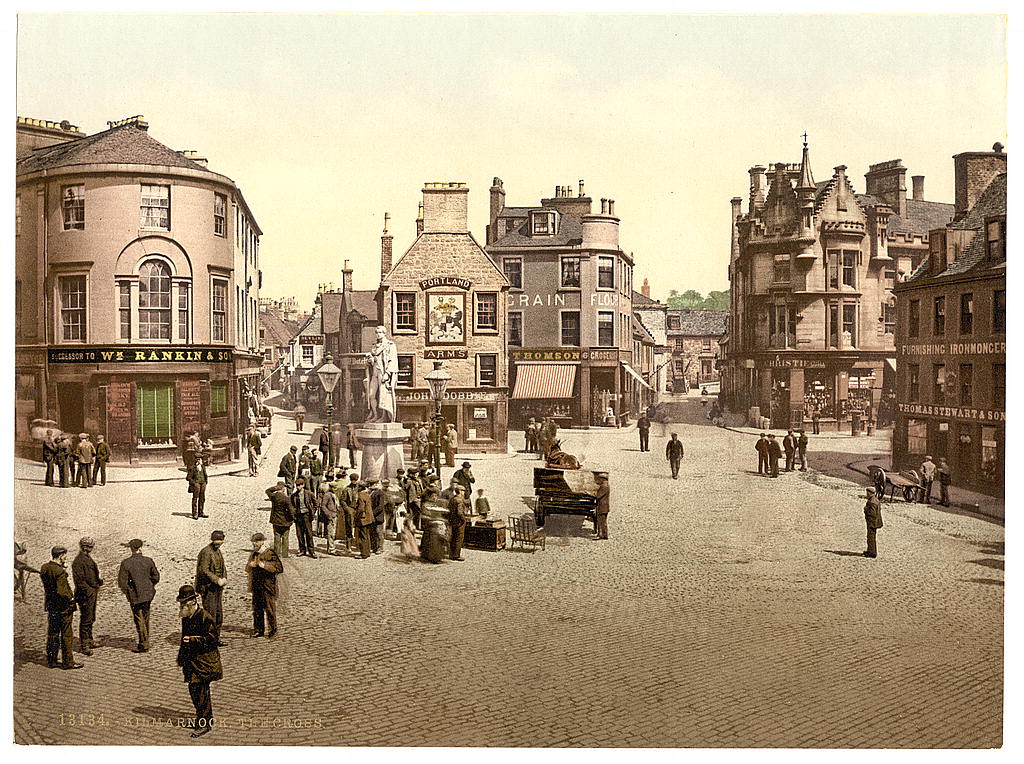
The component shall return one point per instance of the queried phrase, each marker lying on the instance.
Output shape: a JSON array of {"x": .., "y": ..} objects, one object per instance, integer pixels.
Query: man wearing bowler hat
[
  {"x": 198, "y": 656},
  {"x": 138, "y": 578},
  {"x": 211, "y": 576}
]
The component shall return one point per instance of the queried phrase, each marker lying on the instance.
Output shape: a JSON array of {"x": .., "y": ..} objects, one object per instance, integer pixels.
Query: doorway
[{"x": 70, "y": 407}]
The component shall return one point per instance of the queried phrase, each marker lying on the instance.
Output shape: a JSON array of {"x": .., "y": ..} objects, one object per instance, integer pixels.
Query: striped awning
[
  {"x": 633, "y": 373},
  {"x": 544, "y": 380}
]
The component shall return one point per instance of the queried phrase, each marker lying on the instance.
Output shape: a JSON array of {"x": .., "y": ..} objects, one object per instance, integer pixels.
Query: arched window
[{"x": 154, "y": 301}]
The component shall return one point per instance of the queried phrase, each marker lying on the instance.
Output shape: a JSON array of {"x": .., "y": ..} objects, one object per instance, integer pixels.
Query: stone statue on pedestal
[{"x": 381, "y": 376}]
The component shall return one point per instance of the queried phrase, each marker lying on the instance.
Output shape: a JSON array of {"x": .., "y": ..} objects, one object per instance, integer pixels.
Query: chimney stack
[
  {"x": 581, "y": 188},
  {"x": 497, "y": 205},
  {"x": 385, "y": 248},
  {"x": 611, "y": 206},
  {"x": 419, "y": 220},
  {"x": 645, "y": 290},
  {"x": 346, "y": 278},
  {"x": 757, "y": 189},
  {"x": 445, "y": 207},
  {"x": 972, "y": 173},
  {"x": 604, "y": 206},
  {"x": 918, "y": 181}
]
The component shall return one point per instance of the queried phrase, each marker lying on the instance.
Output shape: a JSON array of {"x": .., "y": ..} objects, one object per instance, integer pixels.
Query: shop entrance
[{"x": 71, "y": 406}]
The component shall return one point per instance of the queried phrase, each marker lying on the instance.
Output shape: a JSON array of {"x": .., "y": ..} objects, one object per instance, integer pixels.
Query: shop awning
[
  {"x": 633, "y": 373},
  {"x": 891, "y": 363},
  {"x": 544, "y": 380}
]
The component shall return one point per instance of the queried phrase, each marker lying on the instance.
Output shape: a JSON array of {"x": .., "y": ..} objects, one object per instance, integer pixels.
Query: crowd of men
[
  {"x": 769, "y": 452},
  {"x": 78, "y": 462},
  {"x": 541, "y": 436},
  {"x": 431, "y": 440}
]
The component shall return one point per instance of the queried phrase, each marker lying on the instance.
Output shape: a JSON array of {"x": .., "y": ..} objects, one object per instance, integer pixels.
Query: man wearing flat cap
[
  {"x": 280, "y": 517},
  {"x": 289, "y": 468},
  {"x": 86, "y": 456},
  {"x": 198, "y": 656},
  {"x": 138, "y": 578},
  {"x": 211, "y": 576},
  {"x": 59, "y": 603},
  {"x": 86, "y": 576},
  {"x": 873, "y": 519},
  {"x": 264, "y": 566}
]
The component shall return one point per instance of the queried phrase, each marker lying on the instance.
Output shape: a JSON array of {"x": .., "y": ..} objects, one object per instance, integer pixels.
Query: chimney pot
[
  {"x": 918, "y": 181},
  {"x": 604, "y": 206},
  {"x": 581, "y": 188},
  {"x": 611, "y": 206}
]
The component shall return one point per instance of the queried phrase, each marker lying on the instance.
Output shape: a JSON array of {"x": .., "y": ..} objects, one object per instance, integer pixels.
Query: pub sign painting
[{"x": 446, "y": 319}]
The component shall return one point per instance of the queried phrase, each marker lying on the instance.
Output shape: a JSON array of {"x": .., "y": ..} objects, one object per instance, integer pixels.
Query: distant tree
[
  {"x": 688, "y": 300},
  {"x": 717, "y": 301}
]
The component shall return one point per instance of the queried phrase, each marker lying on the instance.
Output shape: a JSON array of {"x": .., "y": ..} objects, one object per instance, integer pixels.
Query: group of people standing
[
  {"x": 769, "y": 452},
  {"x": 81, "y": 463},
  {"x": 425, "y": 442},
  {"x": 540, "y": 436}
]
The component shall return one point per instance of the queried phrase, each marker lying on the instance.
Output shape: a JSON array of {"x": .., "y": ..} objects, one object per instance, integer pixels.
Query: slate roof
[
  {"x": 639, "y": 330},
  {"x": 639, "y": 298},
  {"x": 699, "y": 323},
  {"x": 125, "y": 144},
  {"x": 276, "y": 331},
  {"x": 991, "y": 203},
  {"x": 922, "y": 216},
  {"x": 314, "y": 324},
  {"x": 330, "y": 304},
  {"x": 570, "y": 231},
  {"x": 364, "y": 302}
]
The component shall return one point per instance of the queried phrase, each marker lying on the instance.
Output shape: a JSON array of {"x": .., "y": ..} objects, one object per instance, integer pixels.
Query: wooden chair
[{"x": 525, "y": 532}]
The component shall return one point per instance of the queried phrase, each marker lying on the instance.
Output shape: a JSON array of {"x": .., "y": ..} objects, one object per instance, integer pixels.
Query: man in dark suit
[
  {"x": 789, "y": 445},
  {"x": 280, "y": 516},
  {"x": 289, "y": 468},
  {"x": 264, "y": 566},
  {"x": 304, "y": 505},
  {"x": 49, "y": 456},
  {"x": 873, "y": 519},
  {"x": 197, "y": 478},
  {"x": 457, "y": 520},
  {"x": 198, "y": 656},
  {"x": 324, "y": 446},
  {"x": 674, "y": 454},
  {"x": 643, "y": 426},
  {"x": 86, "y": 457},
  {"x": 86, "y": 576},
  {"x": 363, "y": 517},
  {"x": 59, "y": 603},
  {"x": 99, "y": 467},
  {"x": 762, "y": 454},
  {"x": 774, "y": 454},
  {"x": 801, "y": 447},
  {"x": 603, "y": 506},
  {"x": 211, "y": 576},
  {"x": 64, "y": 460},
  {"x": 138, "y": 578},
  {"x": 380, "y": 499}
]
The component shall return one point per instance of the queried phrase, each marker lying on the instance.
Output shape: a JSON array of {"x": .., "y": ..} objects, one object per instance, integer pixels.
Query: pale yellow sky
[{"x": 328, "y": 121}]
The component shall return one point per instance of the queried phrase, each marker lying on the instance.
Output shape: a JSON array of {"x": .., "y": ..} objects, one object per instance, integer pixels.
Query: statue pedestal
[{"x": 382, "y": 449}]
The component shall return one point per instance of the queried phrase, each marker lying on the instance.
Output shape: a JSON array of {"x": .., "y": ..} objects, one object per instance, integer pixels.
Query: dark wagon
[{"x": 564, "y": 492}]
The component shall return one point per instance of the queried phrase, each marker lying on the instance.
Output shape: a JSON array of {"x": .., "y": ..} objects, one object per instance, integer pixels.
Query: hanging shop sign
[
  {"x": 953, "y": 412},
  {"x": 445, "y": 354},
  {"x": 446, "y": 281},
  {"x": 134, "y": 354}
]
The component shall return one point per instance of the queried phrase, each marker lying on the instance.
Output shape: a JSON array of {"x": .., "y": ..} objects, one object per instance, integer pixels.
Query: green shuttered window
[
  {"x": 218, "y": 398},
  {"x": 155, "y": 402}
]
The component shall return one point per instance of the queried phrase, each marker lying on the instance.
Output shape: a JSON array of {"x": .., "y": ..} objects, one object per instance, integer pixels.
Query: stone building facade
[
  {"x": 569, "y": 308},
  {"x": 951, "y": 335},
  {"x": 136, "y": 292},
  {"x": 812, "y": 270},
  {"x": 654, "y": 317},
  {"x": 446, "y": 300},
  {"x": 693, "y": 341}
]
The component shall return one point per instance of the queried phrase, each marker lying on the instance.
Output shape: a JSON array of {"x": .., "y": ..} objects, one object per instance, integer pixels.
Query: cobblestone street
[{"x": 726, "y": 610}]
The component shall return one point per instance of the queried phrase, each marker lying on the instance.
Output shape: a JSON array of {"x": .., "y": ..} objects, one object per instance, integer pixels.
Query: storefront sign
[
  {"x": 600, "y": 355},
  {"x": 955, "y": 348},
  {"x": 190, "y": 405},
  {"x": 604, "y": 298},
  {"x": 443, "y": 354},
  {"x": 545, "y": 354},
  {"x": 311, "y": 339},
  {"x": 119, "y": 413},
  {"x": 416, "y": 396},
  {"x": 446, "y": 281},
  {"x": 526, "y": 300},
  {"x": 96, "y": 354},
  {"x": 479, "y": 413},
  {"x": 781, "y": 362},
  {"x": 953, "y": 412}
]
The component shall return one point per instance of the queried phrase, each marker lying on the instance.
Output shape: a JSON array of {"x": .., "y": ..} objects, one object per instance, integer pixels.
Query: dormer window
[
  {"x": 995, "y": 239},
  {"x": 542, "y": 223}
]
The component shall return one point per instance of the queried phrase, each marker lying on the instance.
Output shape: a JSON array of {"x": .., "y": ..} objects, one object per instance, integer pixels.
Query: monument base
[{"x": 382, "y": 449}]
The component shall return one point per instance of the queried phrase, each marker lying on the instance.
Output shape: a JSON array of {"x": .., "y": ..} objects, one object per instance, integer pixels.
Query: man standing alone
[
  {"x": 198, "y": 656},
  {"x": 603, "y": 506},
  {"x": 643, "y": 426},
  {"x": 60, "y": 609},
  {"x": 196, "y": 477},
  {"x": 87, "y": 580},
  {"x": 138, "y": 578},
  {"x": 99, "y": 470},
  {"x": 873, "y": 518},
  {"x": 927, "y": 478},
  {"x": 253, "y": 446},
  {"x": 264, "y": 566},
  {"x": 945, "y": 475},
  {"x": 211, "y": 576},
  {"x": 674, "y": 454},
  {"x": 801, "y": 447}
]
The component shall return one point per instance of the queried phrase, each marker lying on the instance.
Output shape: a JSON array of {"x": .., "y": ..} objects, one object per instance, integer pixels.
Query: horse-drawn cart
[{"x": 564, "y": 492}]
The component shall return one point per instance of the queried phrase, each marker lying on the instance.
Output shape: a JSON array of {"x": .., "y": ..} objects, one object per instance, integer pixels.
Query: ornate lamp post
[
  {"x": 329, "y": 374},
  {"x": 438, "y": 380}
]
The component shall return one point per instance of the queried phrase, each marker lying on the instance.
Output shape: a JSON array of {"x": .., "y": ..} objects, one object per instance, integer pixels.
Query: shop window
[
  {"x": 859, "y": 390},
  {"x": 570, "y": 328},
  {"x": 999, "y": 310},
  {"x": 966, "y": 384},
  {"x": 155, "y": 410},
  {"x": 219, "y": 398},
  {"x": 939, "y": 388},
  {"x": 939, "y": 316},
  {"x": 917, "y": 436},
  {"x": 913, "y": 318},
  {"x": 914, "y": 378},
  {"x": 486, "y": 370},
  {"x": 219, "y": 310},
  {"x": 513, "y": 267},
  {"x": 570, "y": 272},
  {"x": 307, "y": 355},
  {"x": 156, "y": 207},
  {"x": 72, "y": 308},
  {"x": 220, "y": 211},
  {"x": 991, "y": 455},
  {"x": 606, "y": 273},
  {"x": 515, "y": 329},
  {"x": 999, "y": 385},
  {"x": 966, "y": 313},
  {"x": 605, "y": 328},
  {"x": 74, "y": 208},
  {"x": 486, "y": 313},
  {"x": 405, "y": 370},
  {"x": 405, "y": 311},
  {"x": 819, "y": 393}
]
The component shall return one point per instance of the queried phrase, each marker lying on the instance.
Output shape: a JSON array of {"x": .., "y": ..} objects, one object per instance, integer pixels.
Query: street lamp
[
  {"x": 438, "y": 380},
  {"x": 329, "y": 374}
]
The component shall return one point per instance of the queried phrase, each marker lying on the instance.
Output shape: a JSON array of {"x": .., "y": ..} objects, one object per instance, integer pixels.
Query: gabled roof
[
  {"x": 276, "y": 331},
  {"x": 314, "y": 325},
  {"x": 331, "y": 306},
  {"x": 640, "y": 332},
  {"x": 640, "y": 300},
  {"x": 364, "y": 302},
  {"x": 129, "y": 143},
  {"x": 699, "y": 323},
  {"x": 922, "y": 216}
]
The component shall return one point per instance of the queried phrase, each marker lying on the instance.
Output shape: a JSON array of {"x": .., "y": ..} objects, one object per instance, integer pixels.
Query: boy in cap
[
  {"x": 198, "y": 656},
  {"x": 60, "y": 609},
  {"x": 138, "y": 578},
  {"x": 211, "y": 576},
  {"x": 86, "y": 576}
]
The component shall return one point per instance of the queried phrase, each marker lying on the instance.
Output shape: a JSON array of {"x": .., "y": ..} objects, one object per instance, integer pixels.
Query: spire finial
[{"x": 805, "y": 139}]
